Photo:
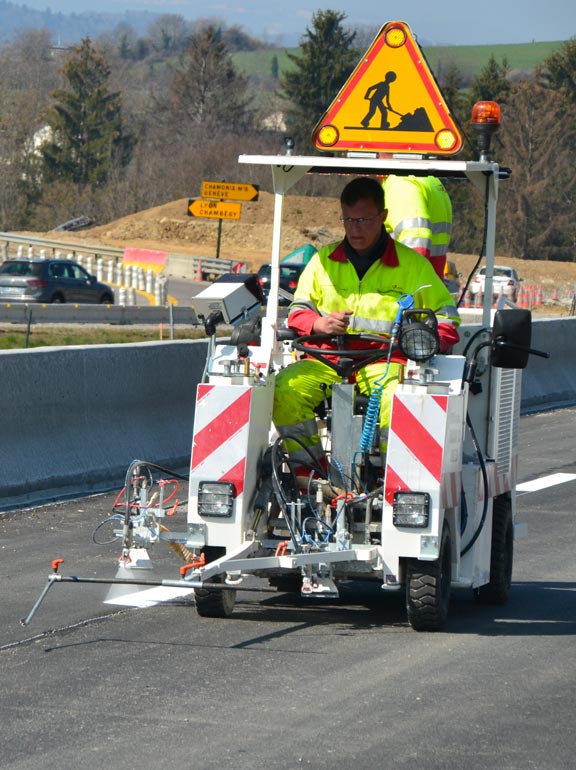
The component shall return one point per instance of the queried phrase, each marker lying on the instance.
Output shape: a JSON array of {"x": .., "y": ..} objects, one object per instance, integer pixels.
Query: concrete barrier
[
  {"x": 551, "y": 383},
  {"x": 73, "y": 418}
]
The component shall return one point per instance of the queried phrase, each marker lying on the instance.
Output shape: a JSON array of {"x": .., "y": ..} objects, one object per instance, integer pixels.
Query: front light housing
[
  {"x": 419, "y": 338},
  {"x": 411, "y": 509},
  {"x": 216, "y": 498}
]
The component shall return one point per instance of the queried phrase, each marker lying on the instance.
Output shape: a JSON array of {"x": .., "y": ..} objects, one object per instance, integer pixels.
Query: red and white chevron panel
[
  {"x": 416, "y": 443},
  {"x": 220, "y": 443}
]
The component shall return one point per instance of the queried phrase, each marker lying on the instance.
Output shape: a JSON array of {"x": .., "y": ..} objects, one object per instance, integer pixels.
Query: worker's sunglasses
[{"x": 357, "y": 220}]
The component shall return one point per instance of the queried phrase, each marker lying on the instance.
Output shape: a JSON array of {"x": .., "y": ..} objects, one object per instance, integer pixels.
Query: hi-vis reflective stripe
[
  {"x": 415, "y": 443},
  {"x": 221, "y": 434}
]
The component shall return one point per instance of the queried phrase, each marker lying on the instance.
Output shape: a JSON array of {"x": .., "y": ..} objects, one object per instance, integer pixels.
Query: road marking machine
[{"x": 437, "y": 511}]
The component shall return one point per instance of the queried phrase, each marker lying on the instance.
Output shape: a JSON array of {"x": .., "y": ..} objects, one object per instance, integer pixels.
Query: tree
[
  {"x": 169, "y": 34},
  {"x": 536, "y": 205},
  {"x": 491, "y": 83},
  {"x": 324, "y": 63},
  {"x": 85, "y": 122},
  {"x": 207, "y": 96},
  {"x": 560, "y": 72}
]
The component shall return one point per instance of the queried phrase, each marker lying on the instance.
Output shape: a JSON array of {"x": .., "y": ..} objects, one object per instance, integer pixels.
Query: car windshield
[{"x": 17, "y": 267}]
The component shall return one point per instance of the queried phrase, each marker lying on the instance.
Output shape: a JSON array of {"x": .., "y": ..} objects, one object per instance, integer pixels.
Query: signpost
[
  {"x": 197, "y": 207},
  {"x": 221, "y": 209},
  {"x": 230, "y": 191}
]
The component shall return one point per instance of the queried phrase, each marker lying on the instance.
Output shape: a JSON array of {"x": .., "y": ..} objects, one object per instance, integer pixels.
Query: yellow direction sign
[
  {"x": 213, "y": 209},
  {"x": 390, "y": 103},
  {"x": 230, "y": 191}
]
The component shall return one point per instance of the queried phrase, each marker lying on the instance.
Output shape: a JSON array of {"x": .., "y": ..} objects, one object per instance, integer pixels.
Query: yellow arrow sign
[
  {"x": 390, "y": 103},
  {"x": 213, "y": 209},
  {"x": 230, "y": 191}
]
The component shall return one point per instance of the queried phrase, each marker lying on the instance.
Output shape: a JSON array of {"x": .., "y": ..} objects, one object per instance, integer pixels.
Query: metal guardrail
[
  {"x": 53, "y": 246},
  {"x": 182, "y": 265}
]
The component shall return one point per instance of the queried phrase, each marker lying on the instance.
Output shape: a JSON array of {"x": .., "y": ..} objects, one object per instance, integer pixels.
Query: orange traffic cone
[
  {"x": 521, "y": 301},
  {"x": 198, "y": 275},
  {"x": 555, "y": 295},
  {"x": 538, "y": 297}
]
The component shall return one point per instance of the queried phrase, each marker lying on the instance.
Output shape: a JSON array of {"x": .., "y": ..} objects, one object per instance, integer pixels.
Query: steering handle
[{"x": 350, "y": 359}]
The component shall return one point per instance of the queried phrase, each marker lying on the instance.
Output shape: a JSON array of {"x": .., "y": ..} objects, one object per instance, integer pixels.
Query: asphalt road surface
[{"x": 283, "y": 685}]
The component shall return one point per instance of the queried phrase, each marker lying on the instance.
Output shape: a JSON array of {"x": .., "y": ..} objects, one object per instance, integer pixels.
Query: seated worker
[
  {"x": 353, "y": 286},
  {"x": 420, "y": 216}
]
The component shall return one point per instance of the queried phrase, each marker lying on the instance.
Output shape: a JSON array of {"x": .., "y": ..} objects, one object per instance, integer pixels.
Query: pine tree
[
  {"x": 491, "y": 83},
  {"x": 560, "y": 72},
  {"x": 85, "y": 122},
  {"x": 324, "y": 63},
  {"x": 207, "y": 96}
]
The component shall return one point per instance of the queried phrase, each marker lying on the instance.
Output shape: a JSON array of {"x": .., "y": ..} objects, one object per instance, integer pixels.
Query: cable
[
  {"x": 476, "y": 535},
  {"x": 482, "y": 248}
]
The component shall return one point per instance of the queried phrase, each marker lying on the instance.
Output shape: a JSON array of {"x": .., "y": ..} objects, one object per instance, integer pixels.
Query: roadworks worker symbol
[{"x": 390, "y": 103}]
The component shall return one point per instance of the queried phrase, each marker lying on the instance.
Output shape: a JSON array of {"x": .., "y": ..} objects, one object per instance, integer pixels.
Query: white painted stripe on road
[
  {"x": 546, "y": 481},
  {"x": 149, "y": 597}
]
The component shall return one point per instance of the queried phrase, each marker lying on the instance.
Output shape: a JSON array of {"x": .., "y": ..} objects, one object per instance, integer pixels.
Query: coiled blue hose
[{"x": 372, "y": 416}]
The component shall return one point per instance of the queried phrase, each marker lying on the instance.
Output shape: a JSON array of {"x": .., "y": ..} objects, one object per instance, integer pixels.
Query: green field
[{"x": 469, "y": 59}]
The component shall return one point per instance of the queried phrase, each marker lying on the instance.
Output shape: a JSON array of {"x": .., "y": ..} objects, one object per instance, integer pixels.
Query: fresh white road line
[
  {"x": 149, "y": 596},
  {"x": 546, "y": 481}
]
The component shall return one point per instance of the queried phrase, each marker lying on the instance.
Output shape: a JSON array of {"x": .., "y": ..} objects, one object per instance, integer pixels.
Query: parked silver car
[
  {"x": 505, "y": 281},
  {"x": 51, "y": 280}
]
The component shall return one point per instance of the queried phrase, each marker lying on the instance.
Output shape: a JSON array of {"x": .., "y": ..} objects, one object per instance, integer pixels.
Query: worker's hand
[{"x": 335, "y": 323}]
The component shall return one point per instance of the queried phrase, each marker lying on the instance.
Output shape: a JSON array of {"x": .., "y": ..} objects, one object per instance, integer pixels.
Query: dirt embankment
[{"x": 305, "y": 220}]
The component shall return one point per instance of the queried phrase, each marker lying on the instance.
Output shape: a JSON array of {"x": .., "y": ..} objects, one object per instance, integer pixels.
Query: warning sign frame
[{"x": 364, "y": 116}]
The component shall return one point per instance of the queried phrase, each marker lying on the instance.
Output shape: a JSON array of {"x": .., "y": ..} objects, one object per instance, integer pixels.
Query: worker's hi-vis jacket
[
  {"x": 419, "y": 216},
  {"x": 330, "y": 283}
]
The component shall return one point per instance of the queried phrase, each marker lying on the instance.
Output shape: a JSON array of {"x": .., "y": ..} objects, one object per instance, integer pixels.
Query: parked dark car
[
  {"x": 51, "y": 280},
  {"x": 289, "y": 275}
]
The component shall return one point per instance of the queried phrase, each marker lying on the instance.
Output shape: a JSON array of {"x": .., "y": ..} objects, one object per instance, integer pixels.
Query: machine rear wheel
[
  {"x": 428, "y": 588},
  {"x": 497, "y": 590}
]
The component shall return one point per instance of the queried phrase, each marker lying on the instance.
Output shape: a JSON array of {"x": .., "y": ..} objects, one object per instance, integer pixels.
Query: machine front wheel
[
  {"x": 497, "y": 590},
  {"x": 428, "y": 588},
  {"x": 214, "y": 602}
]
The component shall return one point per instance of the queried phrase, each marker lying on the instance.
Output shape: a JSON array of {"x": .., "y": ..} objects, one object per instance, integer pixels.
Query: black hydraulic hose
[
  {"x": 476, "y": 535},
  {"x": 482, "y": 248}
]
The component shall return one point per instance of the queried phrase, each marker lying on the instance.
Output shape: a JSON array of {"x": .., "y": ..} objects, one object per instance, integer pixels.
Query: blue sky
[{"x": 458, "y": 22}]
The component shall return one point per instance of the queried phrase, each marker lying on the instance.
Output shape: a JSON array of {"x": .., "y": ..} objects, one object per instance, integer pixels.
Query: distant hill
[
  {"x": 470, "y": 59},
  {"x": 66, "y": 28}
]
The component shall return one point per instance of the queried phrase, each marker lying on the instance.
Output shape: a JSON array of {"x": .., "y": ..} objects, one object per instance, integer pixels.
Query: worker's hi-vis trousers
[{"x": 298, "y": 393}]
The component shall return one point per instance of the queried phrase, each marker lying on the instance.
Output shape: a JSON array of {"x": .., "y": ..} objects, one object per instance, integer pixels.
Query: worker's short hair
[{"x": 363, "y": 188}]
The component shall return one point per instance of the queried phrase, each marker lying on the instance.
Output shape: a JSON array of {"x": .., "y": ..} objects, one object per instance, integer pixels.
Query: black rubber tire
[
  {"x": 215, "y": 603},
  {"x": 218, "y": 602},
  {"x": 58, "y": 299},
  {"x": 428, "y": 588},
  {"x": 497, "y": 590},
  {"x": 106, "y": 299}
]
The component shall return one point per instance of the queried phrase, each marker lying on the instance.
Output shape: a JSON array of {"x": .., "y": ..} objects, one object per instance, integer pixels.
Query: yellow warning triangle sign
[{"x": 390, "y": 103}]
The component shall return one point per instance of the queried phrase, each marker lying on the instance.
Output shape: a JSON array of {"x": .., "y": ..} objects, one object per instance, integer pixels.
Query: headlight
[
  {"x": 411, "y": 509},
  {"x": 216, "y": 498},
  {"x": 419, "y": 339}
]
